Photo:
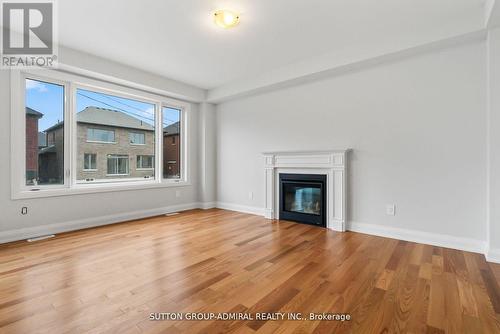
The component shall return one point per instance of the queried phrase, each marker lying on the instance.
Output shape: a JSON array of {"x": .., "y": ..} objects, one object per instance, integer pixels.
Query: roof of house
[
  {"x": 109, "y": 117},
  {"x": 33, "y": 112},
  {"x": 48, "y": 149},
  {"x": 171, "y": 129}
]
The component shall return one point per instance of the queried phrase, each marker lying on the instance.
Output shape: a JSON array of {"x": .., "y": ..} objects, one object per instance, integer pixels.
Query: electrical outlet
[
  {"x": 250, "y": 195},
  {"x": 390, "y": 209},
  {"x": 24, "y": 210},
  {"x": 177, "y": 193}
]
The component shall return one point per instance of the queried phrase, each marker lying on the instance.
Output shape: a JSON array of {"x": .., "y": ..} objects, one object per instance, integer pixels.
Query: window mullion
[
  {"x": 158, "y": 162},
  {"x": 67, "y": 140},
  {"x": 70, "y": 97}
]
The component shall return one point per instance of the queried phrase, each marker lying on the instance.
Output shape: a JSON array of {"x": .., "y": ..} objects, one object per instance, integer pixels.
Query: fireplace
[
  {"x": 333, "y": 164},
  {"x": 302, "y": 198}
]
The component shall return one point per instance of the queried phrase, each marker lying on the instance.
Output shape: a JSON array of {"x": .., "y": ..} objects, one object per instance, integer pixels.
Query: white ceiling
[{"x": 177, "y": 38}]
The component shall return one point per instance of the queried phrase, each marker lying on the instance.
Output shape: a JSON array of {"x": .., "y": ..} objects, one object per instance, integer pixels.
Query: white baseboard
[
  {"x": 241, "y": 208},
  {"x": 493, "y": 255},
  {"x": 435, "y": 239},
  {"x": 32, "y": 232},
  {"x": 207, "y": 205}
]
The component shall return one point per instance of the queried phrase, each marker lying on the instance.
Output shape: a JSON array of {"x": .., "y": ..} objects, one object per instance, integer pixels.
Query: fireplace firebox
[{"x": 303, "y": 198}]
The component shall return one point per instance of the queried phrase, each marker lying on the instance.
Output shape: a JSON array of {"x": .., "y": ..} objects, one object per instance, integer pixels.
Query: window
[
  {"x": 171, "y": 118},
  {"x": 44, "y": 136},
  {"x": 118, "y": 165},
  {"x": 52, "y": 137},
  {"x": 137, "y": 138},
  {"x": 90, "y": 162},
  {"x": 65, "y": 126},
  {"x": 100, "y": 135},
  {"x": 145, "y": 162}
]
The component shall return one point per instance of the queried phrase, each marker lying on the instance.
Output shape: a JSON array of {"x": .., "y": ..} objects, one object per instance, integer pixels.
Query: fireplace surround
[{"x": 333, "y": 164}]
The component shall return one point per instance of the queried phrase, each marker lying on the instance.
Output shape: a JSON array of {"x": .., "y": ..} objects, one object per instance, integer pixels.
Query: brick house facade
[
  {"x": 114, "y": 155},
  {"x": 120, "y": 147}
]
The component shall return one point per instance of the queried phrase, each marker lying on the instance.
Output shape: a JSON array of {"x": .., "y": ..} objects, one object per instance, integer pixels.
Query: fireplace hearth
[{"x": 302, "y": 198}]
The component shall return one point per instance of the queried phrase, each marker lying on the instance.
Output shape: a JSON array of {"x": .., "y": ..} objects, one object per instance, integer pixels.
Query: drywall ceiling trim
[{"x": 294, "y": 75}]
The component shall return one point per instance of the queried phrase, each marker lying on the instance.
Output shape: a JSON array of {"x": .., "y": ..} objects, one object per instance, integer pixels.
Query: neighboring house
[
  {"x": 32, "y": 143},
  {"x": 51, "y": 156},
  {"x": 113, "y": 144},
  {"x": 171, "y": 151},
  {"x": 110, "y": 144}
]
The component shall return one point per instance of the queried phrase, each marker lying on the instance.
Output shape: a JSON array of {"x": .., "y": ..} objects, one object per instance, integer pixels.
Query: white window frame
[
  {"x": 90, "y": 169},
  {"x": 137, "y": 133},
  {"x": 100, "y": 141},
  {"x": 118, "y": 156},
  {"x": 141, "y": 158},
  {"x": 182, "y": 141},
  {"x": 72, "y": 82}
]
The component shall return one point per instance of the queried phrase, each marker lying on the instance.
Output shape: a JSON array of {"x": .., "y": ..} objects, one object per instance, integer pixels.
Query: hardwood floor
[{"x": 109, "y": 279}]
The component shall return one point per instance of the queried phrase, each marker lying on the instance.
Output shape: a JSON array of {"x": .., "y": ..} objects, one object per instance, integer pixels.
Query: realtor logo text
[{"x": 28, "y": 34}]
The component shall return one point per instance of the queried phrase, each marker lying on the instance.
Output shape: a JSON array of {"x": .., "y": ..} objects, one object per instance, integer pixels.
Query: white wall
[
  {"x": 207, "y": 168},
  {"x": 417, "y": 127},
  {"x": 57, "y": 214},
  {"x": 494, "y": 140}
]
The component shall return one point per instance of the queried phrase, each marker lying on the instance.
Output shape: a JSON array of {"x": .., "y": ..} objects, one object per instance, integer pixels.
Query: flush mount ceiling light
[{"x": 226, "y": 18}]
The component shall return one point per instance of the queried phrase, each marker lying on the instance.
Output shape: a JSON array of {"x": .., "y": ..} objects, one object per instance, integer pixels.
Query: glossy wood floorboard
[{"x": 109, "y": 279}]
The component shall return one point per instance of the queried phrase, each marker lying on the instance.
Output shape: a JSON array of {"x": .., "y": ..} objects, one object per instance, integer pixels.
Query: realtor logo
[{"x": 28, "y": 34}]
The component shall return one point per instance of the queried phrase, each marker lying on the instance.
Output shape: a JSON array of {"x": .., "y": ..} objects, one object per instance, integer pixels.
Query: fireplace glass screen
[{"x": 302, "y": 198}]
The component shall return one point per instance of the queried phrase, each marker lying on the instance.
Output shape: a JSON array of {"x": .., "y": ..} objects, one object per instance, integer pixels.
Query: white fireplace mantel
[{"x": 329, "y": 163}]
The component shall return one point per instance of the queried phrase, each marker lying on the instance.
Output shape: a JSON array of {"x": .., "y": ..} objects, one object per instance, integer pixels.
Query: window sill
[
  {"x": 92, "y": 188},
  {"x": 100, "y": 142}
]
